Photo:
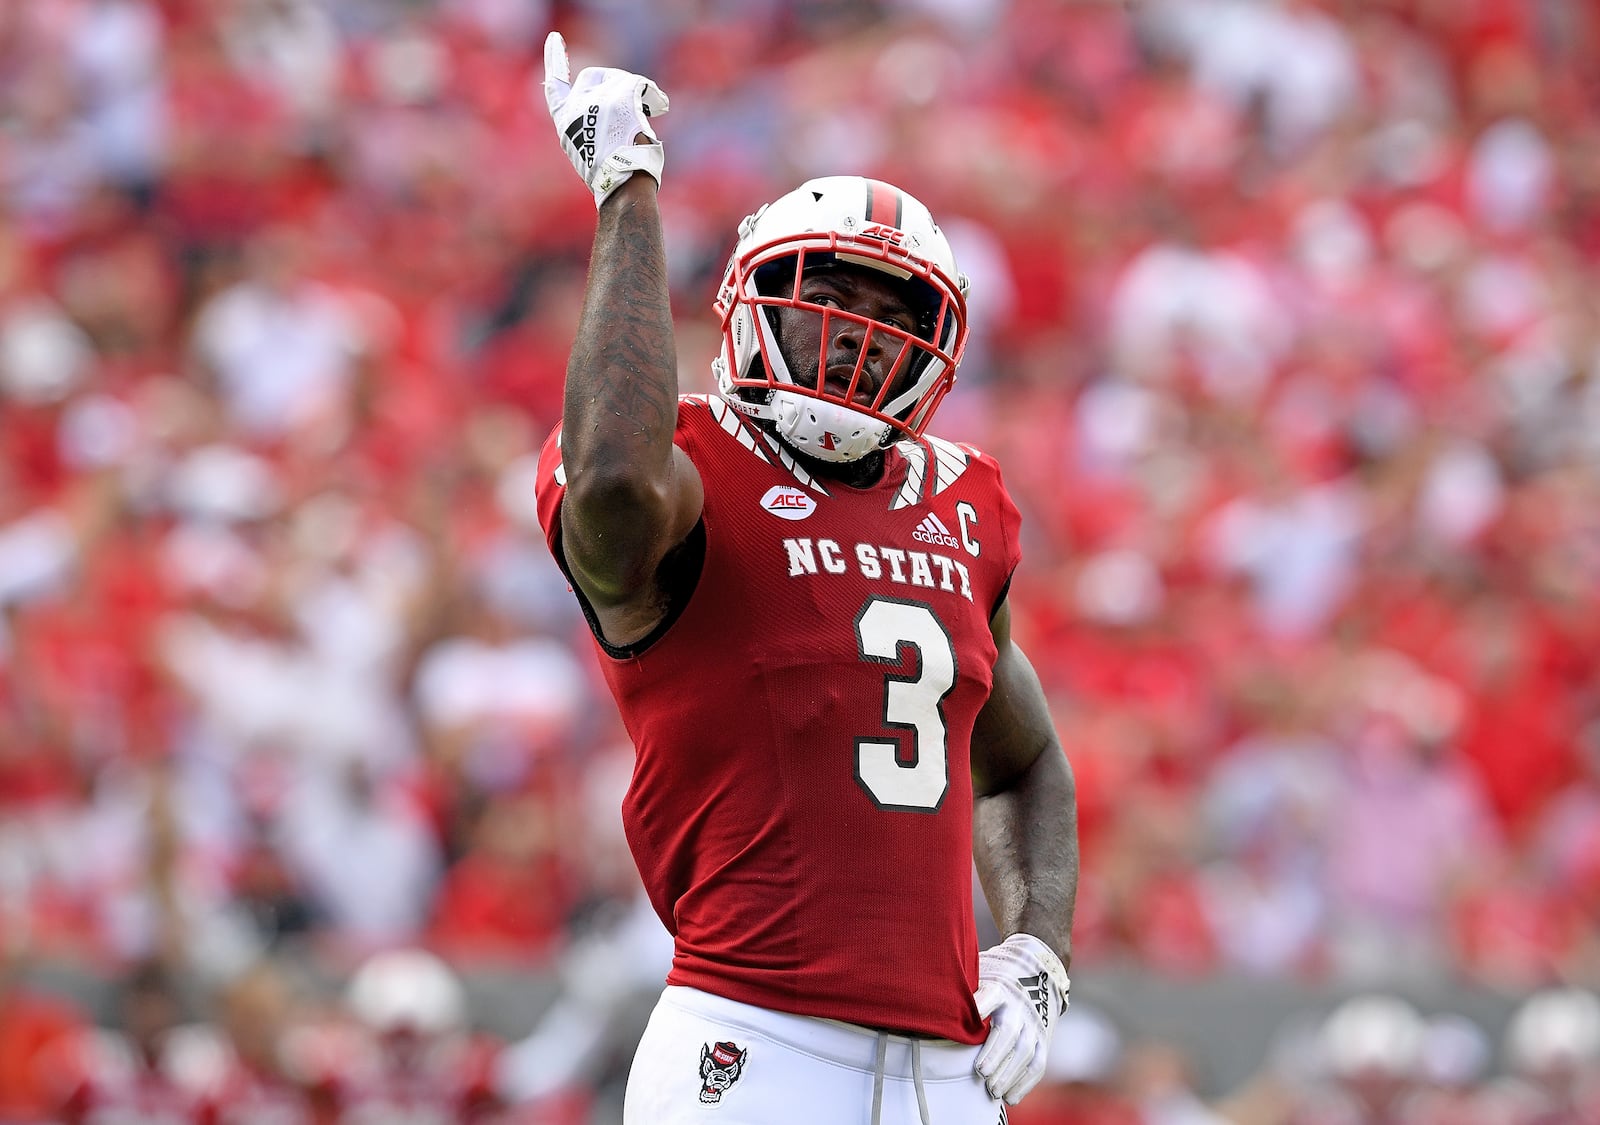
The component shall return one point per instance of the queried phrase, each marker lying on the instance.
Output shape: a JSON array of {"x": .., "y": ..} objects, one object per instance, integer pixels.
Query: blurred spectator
[
  {"x": 137, "y": 1071},
  {"x": 51, "y": 160},
  {"x": 292, "y": 46},
  {"x": 254, "y": 1085},
  {"x": 1269, "y": 810},
  {"x": 1566, "y": 847},
  {"x": 364, "y": 846},
  {"x": 37, "y": 1033},
  {"x": 1296, "y": 541},
  {"x": 116, "y": 50},
  {"x": 1082, "y": 1076},
  {"x": 1293, "y": 63},
  {"x": 1552, "y": 1049},
  {"x": 492, "y": 696},
  {"x": 1186, "y": 311},
  {"x": 426, "y": 1063},
  {"x": 277, "y": 909},
  {"x": 1401, "y": 833},
  {"x": 1372, "y": 1050},
  {"x": 507, "y": 899},
  {"x": 608, "y": 979},
  {"x": 1161, "y": 1082},
  {"x": 1456, "y": 1056},
  {"x": 286, "y": 352}
]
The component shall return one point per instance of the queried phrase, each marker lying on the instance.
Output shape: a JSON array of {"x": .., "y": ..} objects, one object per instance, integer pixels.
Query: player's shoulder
[
  {"x": 701, "y": 409},
  {"x": 693, "y": 409},
  {"x": 708, "y": 422},
  {"x": 704, "y": 422},
  {"x": 936, "y": 466}
]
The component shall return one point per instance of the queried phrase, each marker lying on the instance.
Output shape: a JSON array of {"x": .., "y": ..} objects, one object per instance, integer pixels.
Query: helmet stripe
[{"x": 883, "y": 204}]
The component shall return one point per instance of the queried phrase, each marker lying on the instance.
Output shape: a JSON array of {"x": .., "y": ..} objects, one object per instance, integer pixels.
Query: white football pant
[{"x": 707, "y": 1060}]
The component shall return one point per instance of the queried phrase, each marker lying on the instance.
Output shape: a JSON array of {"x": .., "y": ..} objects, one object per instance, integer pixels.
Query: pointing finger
[{"x": 557, "y": 70}]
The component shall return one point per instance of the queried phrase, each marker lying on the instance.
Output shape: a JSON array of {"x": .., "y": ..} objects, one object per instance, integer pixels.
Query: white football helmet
[
  {"x": 864, "y": 223},
  {"x": 407, "y": 990},
  {"x": 1374, "y": 1032},
  {"x": 1554, "y": 1029}
]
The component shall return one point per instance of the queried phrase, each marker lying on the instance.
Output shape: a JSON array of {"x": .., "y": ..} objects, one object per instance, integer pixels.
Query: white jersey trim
[
  {"x": 787, "y": 460},
  {"x": 746, "y": 435},
  {"x": 949, "y": 462}
]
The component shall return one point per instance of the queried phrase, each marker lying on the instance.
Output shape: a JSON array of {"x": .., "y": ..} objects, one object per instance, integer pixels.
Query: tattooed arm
[{"x": 632, "y": 495}]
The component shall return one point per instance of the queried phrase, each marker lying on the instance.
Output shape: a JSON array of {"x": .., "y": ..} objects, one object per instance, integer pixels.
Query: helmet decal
[{"x": 884, "y": 204}]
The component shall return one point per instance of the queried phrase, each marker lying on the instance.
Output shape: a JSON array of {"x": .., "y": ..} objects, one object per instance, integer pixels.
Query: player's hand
[
  {"x": 1022, "y": 991},
  {"x": 600, "y": 119}
]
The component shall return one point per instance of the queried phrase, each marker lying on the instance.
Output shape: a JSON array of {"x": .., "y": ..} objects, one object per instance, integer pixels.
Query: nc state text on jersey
[{"x": 926, "y": 569}]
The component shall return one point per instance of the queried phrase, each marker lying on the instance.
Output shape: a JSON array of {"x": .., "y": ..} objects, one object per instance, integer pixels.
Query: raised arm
[
  {"x": 632, "y": 495},
  {"x": 1025, "y": 844}
]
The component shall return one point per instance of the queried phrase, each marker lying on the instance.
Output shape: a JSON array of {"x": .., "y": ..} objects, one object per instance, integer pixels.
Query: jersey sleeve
[
  {"x": 549, "y": 487},
  {"x": 550, "y": 484}
]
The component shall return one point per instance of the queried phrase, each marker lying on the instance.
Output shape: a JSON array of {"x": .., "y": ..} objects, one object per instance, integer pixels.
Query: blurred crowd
[
  {"x": 1286, "y": 328},
  {"x": 1374, "y": 1059}
]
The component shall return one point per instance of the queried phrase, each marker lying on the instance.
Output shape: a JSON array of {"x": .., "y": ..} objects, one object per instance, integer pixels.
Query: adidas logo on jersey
[
  {"x": 933, "y": 530},
  {"x": 581, "y": 134}
]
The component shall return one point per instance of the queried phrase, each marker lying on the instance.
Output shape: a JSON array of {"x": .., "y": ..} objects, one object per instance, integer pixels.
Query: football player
[
  {"x": 427, "y": 1066},
  {"x": 799, "y": 597},
  {"x": 139, "y": 1071}
]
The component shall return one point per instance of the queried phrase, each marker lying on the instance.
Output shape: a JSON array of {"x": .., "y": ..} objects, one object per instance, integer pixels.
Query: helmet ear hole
[{"x": 754, "y": 396}]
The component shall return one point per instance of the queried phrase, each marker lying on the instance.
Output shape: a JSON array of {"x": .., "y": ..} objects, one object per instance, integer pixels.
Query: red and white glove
[
  {"x": 599, "y": 118},
  {"x": 1022, "y": 991}
]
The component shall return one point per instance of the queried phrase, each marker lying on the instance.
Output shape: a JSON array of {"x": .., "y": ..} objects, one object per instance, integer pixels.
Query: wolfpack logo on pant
[{"x": 721, "y": 1064}]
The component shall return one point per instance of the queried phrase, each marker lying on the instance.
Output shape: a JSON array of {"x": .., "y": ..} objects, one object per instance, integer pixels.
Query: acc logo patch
[
  {"x": 721, "y": 1064},
  {"x": 788, "y": 502}
]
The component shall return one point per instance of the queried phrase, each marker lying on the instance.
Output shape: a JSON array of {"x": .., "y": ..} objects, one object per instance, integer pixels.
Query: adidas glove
[
  {"x": 1022, "y": 991},
  {"x": 598, "y": 118}
]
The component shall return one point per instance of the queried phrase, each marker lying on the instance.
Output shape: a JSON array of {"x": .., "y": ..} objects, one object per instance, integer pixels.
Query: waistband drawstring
[
  {"x": 916, "y": 1081},
  {"x": 877, "y": 1078},
  {"x": 878, "y": 1065}
]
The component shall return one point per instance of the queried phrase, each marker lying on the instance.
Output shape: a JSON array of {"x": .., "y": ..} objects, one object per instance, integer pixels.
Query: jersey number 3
[{"x": 912, "y": 703}]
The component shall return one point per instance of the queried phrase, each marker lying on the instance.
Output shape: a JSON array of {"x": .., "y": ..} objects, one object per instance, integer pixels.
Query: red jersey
[
  {"x": 801, "y": 803},
  {"x": 444, "y": 1082},
  {"x": 247, "y": 1096},
  {"x": 109, "y": 1082}
]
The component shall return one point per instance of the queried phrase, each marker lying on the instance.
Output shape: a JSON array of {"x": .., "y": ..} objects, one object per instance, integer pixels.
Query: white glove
[
  {"x": 599, "y": 116},
  {"x": 1022, "y": 991}
]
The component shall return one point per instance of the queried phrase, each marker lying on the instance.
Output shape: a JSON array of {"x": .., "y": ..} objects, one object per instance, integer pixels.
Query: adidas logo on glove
[
  {"x": 581, "y": 134},
  {"x": 1038, "y": 989}
]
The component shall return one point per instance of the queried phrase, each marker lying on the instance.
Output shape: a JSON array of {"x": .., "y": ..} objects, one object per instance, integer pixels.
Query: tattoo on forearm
[{"x": 623, "y": 374}]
